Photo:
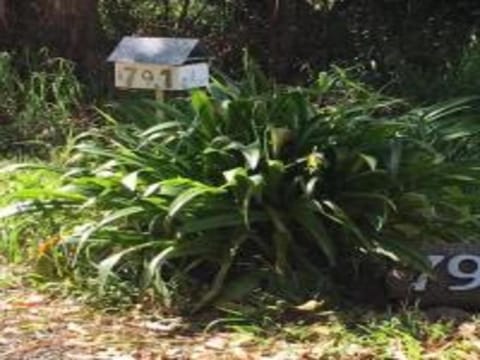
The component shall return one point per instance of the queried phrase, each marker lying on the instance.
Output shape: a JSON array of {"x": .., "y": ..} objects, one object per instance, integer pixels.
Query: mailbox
[{"x": 161, "y": 64}]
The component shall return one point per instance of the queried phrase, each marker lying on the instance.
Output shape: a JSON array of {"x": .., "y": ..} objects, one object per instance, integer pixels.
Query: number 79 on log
[{"x": 461, "y": 278}]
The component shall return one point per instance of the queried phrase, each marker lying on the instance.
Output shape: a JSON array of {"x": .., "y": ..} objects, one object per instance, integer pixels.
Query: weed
[{"x": 40, "y": 102}]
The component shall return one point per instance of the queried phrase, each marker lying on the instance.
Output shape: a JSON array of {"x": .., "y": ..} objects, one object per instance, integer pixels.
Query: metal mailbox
[{"x": 161, "y": 64}]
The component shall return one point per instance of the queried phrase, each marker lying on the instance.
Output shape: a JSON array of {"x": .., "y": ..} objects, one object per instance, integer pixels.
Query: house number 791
[
  {"x": 454, "y": 269},
  {"x": 147, "y": 76}
]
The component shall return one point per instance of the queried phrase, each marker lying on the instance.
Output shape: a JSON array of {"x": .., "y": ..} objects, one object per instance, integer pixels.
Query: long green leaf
[
  {"x": 106, "y": 266},
  {"x": 305, "y": 215}
]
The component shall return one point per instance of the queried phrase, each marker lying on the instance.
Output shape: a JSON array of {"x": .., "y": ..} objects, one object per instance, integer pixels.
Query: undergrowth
[
  {"x": 254, "y": 186},
  {"x": 41, "y": 103}
]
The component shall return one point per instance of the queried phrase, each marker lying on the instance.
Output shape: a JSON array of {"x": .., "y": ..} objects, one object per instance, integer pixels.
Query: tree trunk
[
  {"x": 3, "y": 15},
  {"x": 283, "y": 31},
  {"x": 71, "y": 25},
  {"x": 289, "y": 36}
]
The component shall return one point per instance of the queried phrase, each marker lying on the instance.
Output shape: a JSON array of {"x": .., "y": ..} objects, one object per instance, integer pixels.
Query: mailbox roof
[{"x": 160, "y": 51}]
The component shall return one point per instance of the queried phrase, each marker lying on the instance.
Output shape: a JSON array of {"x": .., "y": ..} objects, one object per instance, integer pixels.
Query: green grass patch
[{"x": 41, "y": 102}]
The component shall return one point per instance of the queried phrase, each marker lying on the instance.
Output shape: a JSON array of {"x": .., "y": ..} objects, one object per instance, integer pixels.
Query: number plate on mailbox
[
  {"x": 145, "y": 76},
  {"x": 455, "y": 281}
]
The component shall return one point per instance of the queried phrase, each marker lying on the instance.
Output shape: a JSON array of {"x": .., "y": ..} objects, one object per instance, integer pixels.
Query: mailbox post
[{"x": 160, "y": 64}]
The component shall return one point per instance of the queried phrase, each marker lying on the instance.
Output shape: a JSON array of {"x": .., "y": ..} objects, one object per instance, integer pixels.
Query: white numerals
[
  {"x": 421, "y": 283},
  {"x": 454, "y": 269}
]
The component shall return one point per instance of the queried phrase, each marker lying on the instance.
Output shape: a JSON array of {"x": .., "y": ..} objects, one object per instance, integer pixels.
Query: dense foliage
[
  {"x": 251, "y": 185},
  {"x": 396, "y": 41},
  {"x": 40, "y": 104}
]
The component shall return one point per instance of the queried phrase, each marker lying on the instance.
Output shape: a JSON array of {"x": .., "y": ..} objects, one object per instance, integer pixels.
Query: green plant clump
[
  {"x": 251, "y": 185},
  {"x": 40, "y": 102}
]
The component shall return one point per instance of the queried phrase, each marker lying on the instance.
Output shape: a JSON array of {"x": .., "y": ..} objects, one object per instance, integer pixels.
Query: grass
[
  {"x": 41, "y": 102},
  {"x": 30, "y": 242},
  {"x": 21, "y": 236},
  {"x": 356, "y": 334},
  {"x": 32, "y": 238}
]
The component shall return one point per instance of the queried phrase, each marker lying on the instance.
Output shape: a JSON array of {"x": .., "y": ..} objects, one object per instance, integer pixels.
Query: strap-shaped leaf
[
  {"x": 304, "y": 213},
  {"x": 106, "y": 266}
]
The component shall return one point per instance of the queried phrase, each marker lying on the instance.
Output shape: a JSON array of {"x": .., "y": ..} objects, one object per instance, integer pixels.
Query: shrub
[
  {"x": 251, "y": 185},
  {"x": 40, "y": 99},
  {"x": 458, "y": 78},
  {"x": 22, "y": 237}
]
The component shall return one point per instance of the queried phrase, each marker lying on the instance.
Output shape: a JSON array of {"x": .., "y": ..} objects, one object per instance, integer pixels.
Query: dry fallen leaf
[
  {"x": 4, "y": 306},
  {"x": 282, "y": 355},
  {"x": 396, "y": 351},
  {"x": 467, "y": 330},
  {"x": 31, "y": 301},
  {"x": 356, "y": 351},
  {"x": 238, "y": 353},
  {"x": 219, "y": 342},
  {"x": 161, "y": 327},
  {"x": 76, "y": 328},
  {"x": 310, "y": 306}
]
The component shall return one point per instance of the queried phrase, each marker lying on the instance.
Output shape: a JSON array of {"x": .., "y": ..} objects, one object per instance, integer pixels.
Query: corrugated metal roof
[{"x": 162, "y": 51}]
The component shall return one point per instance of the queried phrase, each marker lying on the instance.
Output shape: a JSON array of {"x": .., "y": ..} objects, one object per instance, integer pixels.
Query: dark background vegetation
[{"x": 397, "y": 42}]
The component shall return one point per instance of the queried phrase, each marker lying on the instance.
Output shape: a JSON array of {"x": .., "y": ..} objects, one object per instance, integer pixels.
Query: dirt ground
[
  {"x": 35, "y": 325},
  {"x": 41, "y": 327}
]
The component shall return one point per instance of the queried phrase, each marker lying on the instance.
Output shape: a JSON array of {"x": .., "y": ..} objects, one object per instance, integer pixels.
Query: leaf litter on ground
[{"x": 36, "y": 325}]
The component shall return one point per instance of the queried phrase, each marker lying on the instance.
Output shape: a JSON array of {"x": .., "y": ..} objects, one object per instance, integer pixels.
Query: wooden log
[{"x": 455, "y": 279}]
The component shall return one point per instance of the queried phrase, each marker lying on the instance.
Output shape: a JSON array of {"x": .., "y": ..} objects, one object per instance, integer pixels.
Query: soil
[{"x": 38, "y": 326}]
